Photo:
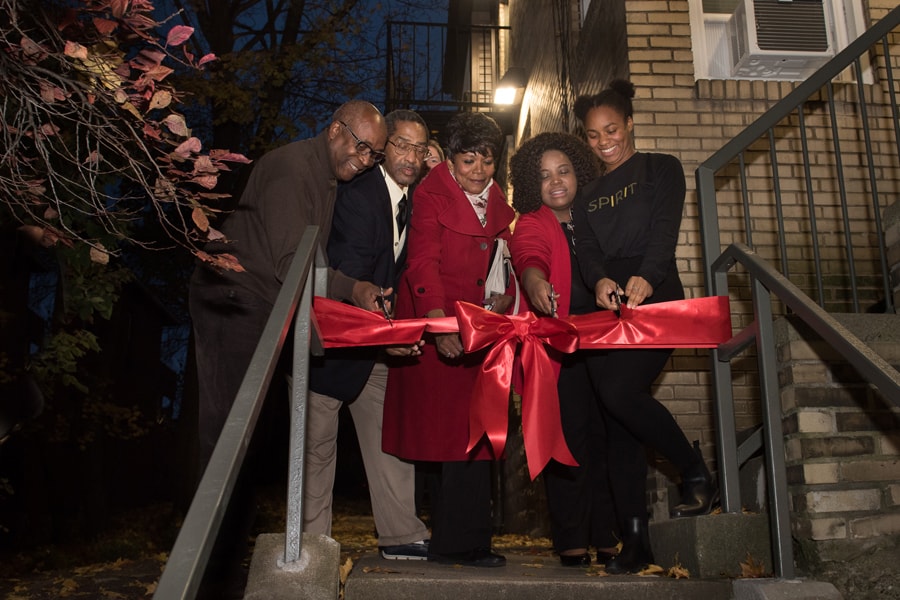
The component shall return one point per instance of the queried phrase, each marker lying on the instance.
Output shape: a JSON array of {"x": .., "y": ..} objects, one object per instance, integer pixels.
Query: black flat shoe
[
  {"x": 575, "y": 560},
  {"x": 479, "y": 557}
]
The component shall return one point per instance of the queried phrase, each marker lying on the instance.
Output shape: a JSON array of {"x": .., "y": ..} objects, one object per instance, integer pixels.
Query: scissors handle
[
  {"x": 552, "y": 301},
  {"x": 382, "y": 303},
  {"x": 617, "y": 299}
]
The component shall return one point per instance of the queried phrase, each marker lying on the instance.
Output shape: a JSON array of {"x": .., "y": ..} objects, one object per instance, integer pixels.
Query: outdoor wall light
[{"x": 511, "y": 87}]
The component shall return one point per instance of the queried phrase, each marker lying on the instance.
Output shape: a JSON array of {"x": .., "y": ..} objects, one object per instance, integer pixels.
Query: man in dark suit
[{"x": 368, "y": 243}]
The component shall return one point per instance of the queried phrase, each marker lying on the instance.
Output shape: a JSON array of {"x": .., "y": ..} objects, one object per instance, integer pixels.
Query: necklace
[{"x": 570, "y": 231}]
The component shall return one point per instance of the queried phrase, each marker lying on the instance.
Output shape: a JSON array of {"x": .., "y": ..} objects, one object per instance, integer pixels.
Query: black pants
[
  {"x": 579, "y": 499},
  {"x": 622, "y": 380},
  {"x": 462, "y": 521}
]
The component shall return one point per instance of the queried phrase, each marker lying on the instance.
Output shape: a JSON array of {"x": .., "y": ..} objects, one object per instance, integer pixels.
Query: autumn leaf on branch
[{"x": 93, "y": 143}]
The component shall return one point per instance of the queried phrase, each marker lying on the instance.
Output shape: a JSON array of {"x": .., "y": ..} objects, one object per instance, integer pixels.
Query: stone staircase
[{"x": 711, "y": 548}]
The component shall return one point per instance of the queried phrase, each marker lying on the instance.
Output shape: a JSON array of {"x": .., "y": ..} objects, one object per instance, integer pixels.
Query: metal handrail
[
  {"x": 190, "y": 554},
  {"x": 765, "y": 283}
]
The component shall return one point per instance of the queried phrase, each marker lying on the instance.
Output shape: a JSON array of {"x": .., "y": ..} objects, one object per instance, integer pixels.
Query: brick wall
[
  {"x": 650, "y": 43},
  {"x": 842, "y": 441}
]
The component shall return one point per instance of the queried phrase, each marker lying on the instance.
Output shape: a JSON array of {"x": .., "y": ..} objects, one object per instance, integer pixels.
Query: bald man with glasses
[{"x": 289, "y": 188}]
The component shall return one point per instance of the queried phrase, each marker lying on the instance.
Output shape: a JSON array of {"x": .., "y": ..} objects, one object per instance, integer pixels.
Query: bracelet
[{"x": 489, "y": 306}]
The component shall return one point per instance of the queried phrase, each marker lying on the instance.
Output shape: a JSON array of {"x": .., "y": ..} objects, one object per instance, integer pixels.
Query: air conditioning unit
[{"x": 780, "y": 39}]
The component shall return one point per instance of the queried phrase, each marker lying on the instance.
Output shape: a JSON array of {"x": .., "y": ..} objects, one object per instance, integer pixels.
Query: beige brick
[
  {"x": 678, "y": 377},
  {"x": 889, "y": 444},
  {"x": 637, "y": 29},
  {"x": 828, "y": 529},
  {"x": 683, "y": 407},
  {"x": 843, "y": 500},
  {"x": 875, "y": 526},
  {"x": 893, "y": 494},
  {"x": 809, "y": 373},
  {"x": 821, "y": 473},
  {"x": 653, "y": 55},
  {"x": 815, "y": 422},
  {"x": 789, "y": 399},
  {"x": 871, "y": 470},
  {"x": 793, "y": 450},
  {"x": 693, "y": 392}
]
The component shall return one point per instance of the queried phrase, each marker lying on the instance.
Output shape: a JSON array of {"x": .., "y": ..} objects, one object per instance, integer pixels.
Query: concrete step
[{"x": 525, "y": 577}]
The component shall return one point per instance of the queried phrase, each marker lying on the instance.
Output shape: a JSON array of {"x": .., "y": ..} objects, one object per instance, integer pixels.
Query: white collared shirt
[{"x": 396, "y": 192}]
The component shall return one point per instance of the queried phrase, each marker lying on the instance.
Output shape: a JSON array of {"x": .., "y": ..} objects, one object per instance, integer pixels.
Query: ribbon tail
[
  {"x": 489, "y": 404},
  {"x": 541, "y": 422}
]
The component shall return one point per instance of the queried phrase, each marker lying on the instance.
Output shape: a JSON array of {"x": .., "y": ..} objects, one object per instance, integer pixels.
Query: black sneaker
[{"x": 412, "y": 551}]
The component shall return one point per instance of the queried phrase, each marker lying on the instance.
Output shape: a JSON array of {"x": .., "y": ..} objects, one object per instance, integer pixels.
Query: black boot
[
  {"x": 636, "y": 553},
  {"x": 699, "y": 492}
]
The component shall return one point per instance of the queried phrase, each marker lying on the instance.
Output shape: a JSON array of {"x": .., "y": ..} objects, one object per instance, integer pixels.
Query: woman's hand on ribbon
[
  {"x": 411, "y": 350},
  {"x": 449, "y": 345},
  {"x": 604, "y": 291},
  {"x": 637, "y": 290}
]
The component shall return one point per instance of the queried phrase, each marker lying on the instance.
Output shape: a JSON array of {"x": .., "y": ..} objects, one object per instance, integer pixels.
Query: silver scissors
[
  {"x": 552, "y": 301},
  {"x": 381, "y": 301},
  {"x": 615, "y": 297}
]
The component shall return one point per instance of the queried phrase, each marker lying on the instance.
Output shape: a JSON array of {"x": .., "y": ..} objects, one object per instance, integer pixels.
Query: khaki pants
[{"x": 391, "y": 480}]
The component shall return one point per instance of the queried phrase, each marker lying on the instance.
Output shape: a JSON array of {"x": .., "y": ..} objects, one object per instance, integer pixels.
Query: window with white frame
[{"x": 770, "y": 39}]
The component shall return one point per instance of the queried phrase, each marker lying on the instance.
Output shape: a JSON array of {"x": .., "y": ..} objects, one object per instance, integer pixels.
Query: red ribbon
[
  {"x": 694, "y": 323},
  {"x": 345, "y": 326},
  {"x": 541, "y": 426}
]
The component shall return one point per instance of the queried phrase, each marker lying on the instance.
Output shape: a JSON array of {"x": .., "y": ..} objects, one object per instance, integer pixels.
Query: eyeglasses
[
  {"x": 363, "y": 148},
  {"x": 403, "y": 148}
]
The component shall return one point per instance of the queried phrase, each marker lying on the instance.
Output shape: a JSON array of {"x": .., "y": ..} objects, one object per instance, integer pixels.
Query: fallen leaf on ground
[
  {"x": 345, "y": 570},
  {"x": 651, "y": 570},
  {"x": 379, "y": 570},
  {"x": 753, "y": 568}
]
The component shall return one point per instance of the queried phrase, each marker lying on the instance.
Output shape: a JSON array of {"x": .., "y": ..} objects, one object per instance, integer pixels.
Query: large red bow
[
  {"x": 694, "y": 323},
  {"x": 541, "y": 426}
]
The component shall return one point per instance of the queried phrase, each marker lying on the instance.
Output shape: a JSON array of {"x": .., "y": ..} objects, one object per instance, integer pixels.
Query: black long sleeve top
[{"x": 632, "y": 213}]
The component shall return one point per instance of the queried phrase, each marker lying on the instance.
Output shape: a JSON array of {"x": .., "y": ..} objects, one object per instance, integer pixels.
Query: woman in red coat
[
  {"x": 458, "y": 212},
  {"x": 547, "y": 172}
]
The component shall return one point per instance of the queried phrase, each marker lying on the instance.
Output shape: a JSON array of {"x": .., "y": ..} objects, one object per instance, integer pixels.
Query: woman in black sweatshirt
[{"x": 626, "y": 229}]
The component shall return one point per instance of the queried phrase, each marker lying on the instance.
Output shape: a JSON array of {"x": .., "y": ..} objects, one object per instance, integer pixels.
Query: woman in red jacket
[
  {"x": 547, "y": 172},
  {"x": 458, "y": 212}
]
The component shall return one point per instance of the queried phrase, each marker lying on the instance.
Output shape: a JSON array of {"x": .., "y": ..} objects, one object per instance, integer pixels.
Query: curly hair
[
  {"x": 617, "y": 95},
  {"x": 474, "y": 132},
  {"x": 525, "y": 167}
]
